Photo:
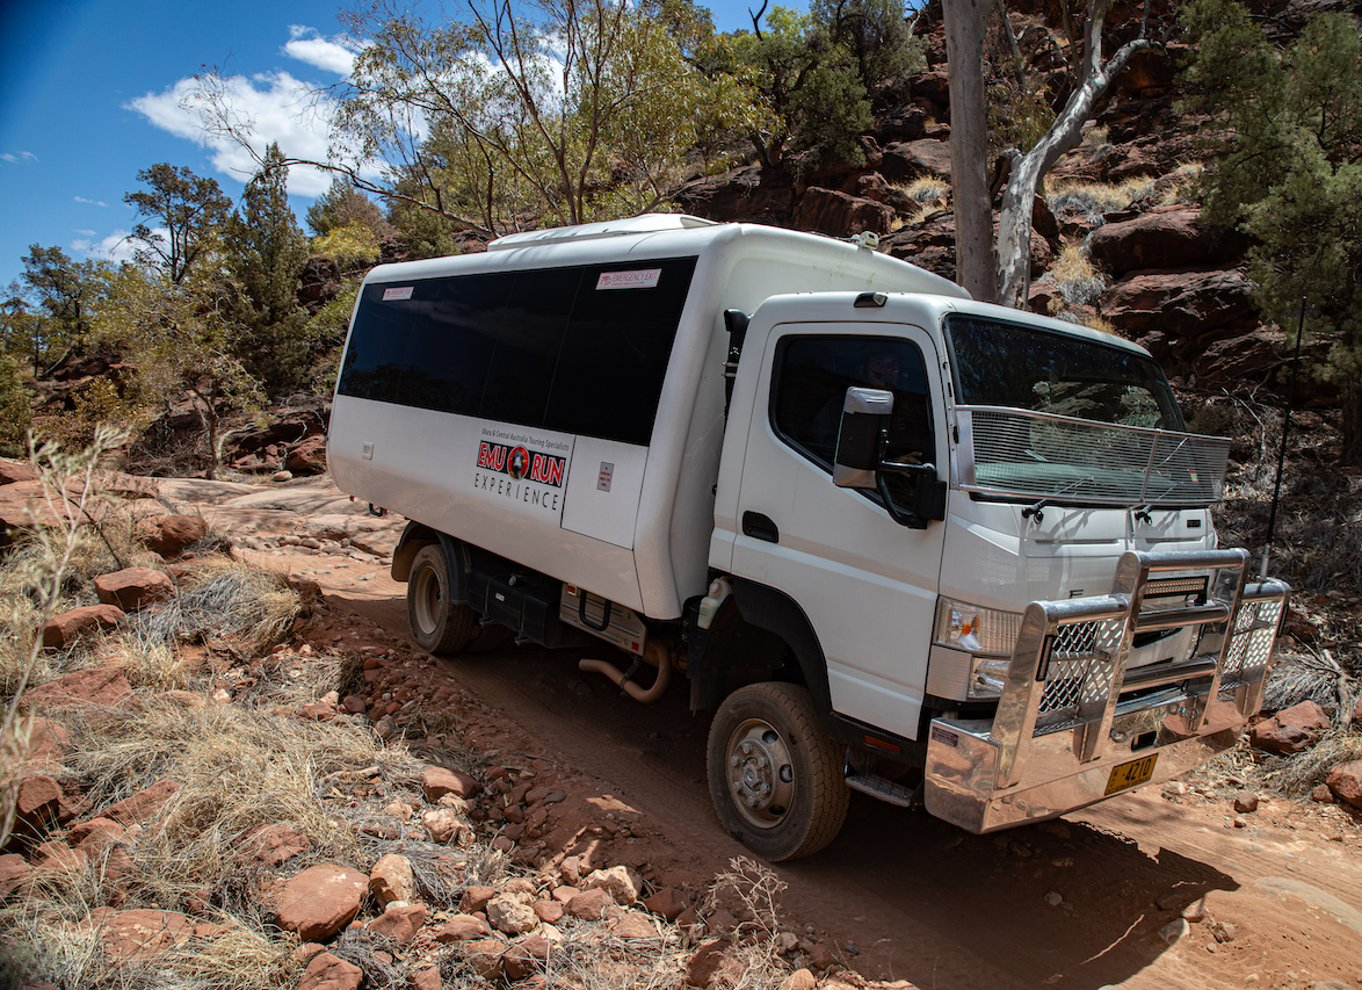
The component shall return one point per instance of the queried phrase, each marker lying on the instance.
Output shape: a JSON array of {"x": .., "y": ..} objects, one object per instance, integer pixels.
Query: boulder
[
  {"x": 38, "y": 804},
  {"x": 391, "y": 879},
  {"x": 308, "y": 457},
  {"x": 142, "y": 934},
  {"x": 329, "y": 972},
  {"x": 906, "y": 160},
  {"x": 1291, "y": 729},
  {"x": 1345, "y": 783},
  {"x": 145, "y": 805},
  {"x": 399, "y": 921},
  {"x": 746, "y": 194},
  {"x": 463, "y": 928},
  {"x": 99, "y": 686},
  {"x": 171, "y": 535},
  {"x": 61, "y": 631},
  {"x": 830, "y": 211},
  {"x": 1165, "y": 237},
  {"x": 14, "y": 875},
  {"x": 436, "y": 782},
  {"x": 321, "y": 900},
  {"x": 1188, "y": 304},
  {"x": 133, "y": 588}
]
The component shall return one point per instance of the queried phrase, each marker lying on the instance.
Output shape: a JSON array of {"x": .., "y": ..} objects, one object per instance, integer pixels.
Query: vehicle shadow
[{"x": 1061, "y": 904}]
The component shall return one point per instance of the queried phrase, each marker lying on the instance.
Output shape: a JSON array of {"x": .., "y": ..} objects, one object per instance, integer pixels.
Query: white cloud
[
  {"x": 270, "y": 107},
  {"x": 116, "y": 247},
  {"x": 335, "y": 54},
  {"x": 20, "y": 158},
  {"x": 85, "y": 233},
  {"x": 91, "y": 202}
]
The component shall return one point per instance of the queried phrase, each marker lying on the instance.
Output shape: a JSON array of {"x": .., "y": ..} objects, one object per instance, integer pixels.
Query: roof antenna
[{"x": 1281, "y": 453}]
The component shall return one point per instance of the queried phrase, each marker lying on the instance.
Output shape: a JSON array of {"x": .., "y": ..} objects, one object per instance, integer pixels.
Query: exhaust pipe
[{"x": 654, "y": 654}]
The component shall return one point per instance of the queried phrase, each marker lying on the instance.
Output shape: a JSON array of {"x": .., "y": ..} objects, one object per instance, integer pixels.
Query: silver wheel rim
[
  {"x": 428, "y": 599},
  {"x": 760, "y": 773}
]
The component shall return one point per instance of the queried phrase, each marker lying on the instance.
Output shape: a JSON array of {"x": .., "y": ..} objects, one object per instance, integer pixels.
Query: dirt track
[{"x": 1076, "y": 903}]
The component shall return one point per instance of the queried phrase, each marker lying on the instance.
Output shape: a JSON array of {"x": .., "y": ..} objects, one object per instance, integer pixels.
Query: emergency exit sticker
[
  {"x": 644, "y": 278},
  {"x": 397, "y": 292}
]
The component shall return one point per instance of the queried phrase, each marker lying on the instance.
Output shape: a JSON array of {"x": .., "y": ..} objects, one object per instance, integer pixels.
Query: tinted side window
[
  {"x": 813, "y": 374},
  {"x": 615, "y": 353},
  {"x": 546, "y": 348}
]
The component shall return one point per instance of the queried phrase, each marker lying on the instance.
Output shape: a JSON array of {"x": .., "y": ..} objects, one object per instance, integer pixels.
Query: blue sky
[{"x": 90, "y": 93}]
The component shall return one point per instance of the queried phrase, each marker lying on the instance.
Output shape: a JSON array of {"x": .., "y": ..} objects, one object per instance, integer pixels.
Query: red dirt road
[{"x": 1077, "y": 903}]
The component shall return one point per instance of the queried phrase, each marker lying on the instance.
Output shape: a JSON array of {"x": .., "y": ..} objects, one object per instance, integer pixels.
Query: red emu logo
[{"x": 519, "y": 465}]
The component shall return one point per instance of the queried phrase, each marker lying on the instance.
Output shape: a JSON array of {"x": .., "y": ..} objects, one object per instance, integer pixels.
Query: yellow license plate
[{"x": 1125, "y": 775}]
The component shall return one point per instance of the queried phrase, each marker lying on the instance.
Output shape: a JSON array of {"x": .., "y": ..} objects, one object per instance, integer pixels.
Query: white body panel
[{"x": 652, "y": 554}]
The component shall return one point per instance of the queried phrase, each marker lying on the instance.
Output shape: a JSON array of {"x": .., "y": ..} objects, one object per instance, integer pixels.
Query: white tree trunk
[{"x": 1014, "y": 223}]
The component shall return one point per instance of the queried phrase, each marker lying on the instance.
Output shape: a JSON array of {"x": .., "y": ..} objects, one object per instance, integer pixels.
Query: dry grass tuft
[
  {"x": 1298, "y": 775},
  {"x": 1078, "y": 281},
  {"x": 1091, "y": 201},
  {"x": 928, "y": 190},
  {"x": 228, "y": 599}
]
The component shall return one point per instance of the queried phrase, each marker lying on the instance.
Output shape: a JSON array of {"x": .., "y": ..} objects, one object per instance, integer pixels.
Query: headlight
[{"x": 975, "y": 629}]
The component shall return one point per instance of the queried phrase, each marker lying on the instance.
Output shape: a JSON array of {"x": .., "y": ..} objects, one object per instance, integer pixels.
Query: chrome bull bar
[{"x": 1073, "y": 725}]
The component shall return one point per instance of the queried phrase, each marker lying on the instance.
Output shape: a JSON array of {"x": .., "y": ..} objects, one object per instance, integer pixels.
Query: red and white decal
[
  {"x": 397, "y": 292},
  {"x": 643, "y": 278}
]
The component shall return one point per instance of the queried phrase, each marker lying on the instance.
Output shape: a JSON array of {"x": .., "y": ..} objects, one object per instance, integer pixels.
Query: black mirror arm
[{"x": 927, "y": 472}]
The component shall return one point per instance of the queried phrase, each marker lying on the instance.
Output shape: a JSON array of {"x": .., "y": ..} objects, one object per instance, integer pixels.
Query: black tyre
[
  {"x": 436, "y": 624},
  {"x": 775, "y": 777}
]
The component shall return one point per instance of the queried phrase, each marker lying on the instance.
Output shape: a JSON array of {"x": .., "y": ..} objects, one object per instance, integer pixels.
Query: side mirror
[
  {"x": 865, "y": 415},
  {"x": 859, "y": 461}
]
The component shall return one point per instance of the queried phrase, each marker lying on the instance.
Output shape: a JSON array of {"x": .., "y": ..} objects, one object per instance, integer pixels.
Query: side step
[{"x": 885, "y": 789}]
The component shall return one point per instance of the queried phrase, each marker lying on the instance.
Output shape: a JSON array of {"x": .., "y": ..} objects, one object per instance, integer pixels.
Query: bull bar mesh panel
[{"x": 1015, "y": 452}]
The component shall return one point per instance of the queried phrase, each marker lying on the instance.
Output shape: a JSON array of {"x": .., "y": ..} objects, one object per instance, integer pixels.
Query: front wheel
[
  {"x": 774, "y": 776},
  {"x": 437, "y": 624}
]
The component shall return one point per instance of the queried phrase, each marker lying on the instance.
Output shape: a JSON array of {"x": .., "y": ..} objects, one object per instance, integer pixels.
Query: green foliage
[
  {"x": 344, "y": 206},
  {"x": 1287, "y": 172},
  {"x": 48, "y": 311},
  {"x": 16, "y": 408},
  {"x": 265, "y": 251},
  {"x": 352, "y": 246},
  {"x": 182, "y": 339},
  {"x": 180, "y": 218}
]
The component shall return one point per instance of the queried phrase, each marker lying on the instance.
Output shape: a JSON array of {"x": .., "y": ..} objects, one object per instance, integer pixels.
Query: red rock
[
  {"x": 548, "y": 911},
  {"x": 47, "y": 743},
  {"x": 143, "y": 934},
  {"x": 391, "y": 879},
  {"x": 275, "y": 844},
  {"x": 633, "y": 925},
  {"x": 171, "y": 535},
  {"x": 1190, "y": 304},
  {"x": 321, "y": 900},
  {"x": 14, "y": 875},
  {"x": 483, "y": 956},
  {"x": 511, "y": 913},
  {"x": 912, "y": 159},
  {"x": 1292, "y": 729},
  {"x": 1357, "y": 711},
  {"x": 705, "y": 963},
  {"x": 667, "y": 902},
  {"x": 133, "y": 588},
  {"x": 37, "y": 804},
  {"x": 61, "y": 631},
  {"x": 355, "y": 704},
  {"x": 436, "y": 782},
  {"x": 831, "y": 211},
  {"x": 12, "y": 471},
  {"x": 308, "y": 457},
  {"x": 443, "y": 824},
  {"x": 427, "y": 979},
  {"x": 57, "y": 857},
  {"x": 620, "y": 882},
  {"x": 96, "y": 835},
  {"x": 475, "y": 899},
  {"x": 328, "y": 972},
  {"x": 590, "y": 905},
  {"x": 399, "y": 921},
  {"x": 526, "y": 957},
  {"x": 462, "y": 928},
  {"x": 145, "y": 805},
  {"x": 1345, "y": 782},
  {"x": 1246, "y": 802},
  {"x": 98, "y": 686},
  {"x": 1164, "y": 237}
]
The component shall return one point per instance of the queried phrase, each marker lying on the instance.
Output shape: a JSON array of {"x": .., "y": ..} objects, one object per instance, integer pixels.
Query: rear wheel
[
  {"x": 774, "y": 776},
  {"x": 437, "y": 624}
]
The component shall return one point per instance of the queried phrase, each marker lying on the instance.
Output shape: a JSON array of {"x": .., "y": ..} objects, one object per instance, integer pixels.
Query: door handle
[{"x": 760, "y": 527}]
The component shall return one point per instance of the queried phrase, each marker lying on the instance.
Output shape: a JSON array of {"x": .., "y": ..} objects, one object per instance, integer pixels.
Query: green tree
[
  {"x": 1287, "y": 169},
  {"x": 183, "y": 339},
  {"x": 342, "y": 205},
  {"x": 265, "y": 252},
  {"x": 180, "y": 218},
  {"x": 16, "y": 408},
  {"x": 50, "y": 312}
]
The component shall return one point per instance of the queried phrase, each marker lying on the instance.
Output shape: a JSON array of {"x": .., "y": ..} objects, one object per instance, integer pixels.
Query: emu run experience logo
[{"x": 518, "y": 473}]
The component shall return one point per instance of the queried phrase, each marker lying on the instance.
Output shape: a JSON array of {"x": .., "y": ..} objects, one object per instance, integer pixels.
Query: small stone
[
  {"x": 463, "y": 928},
  {"x": 399, "y": 921},
  {"x": 1322, "y": 794},
  {"x": 133, "y": 588},
  {"x": 392, "y": 879},
  {"x": 622, "y": 883},
  {"x": 328, "y": 972},
  {"x": 1174, "y": 930},
  {"x": 1246, "y": 802},
  {"x": 282, "y": 476},
  {"x": 436, "y": 782},
  {"x": 1054, "y": 898},
  {"x": 1223, "y": 931},
  {"x": 321, "y": 900},
  {"x": 511, "y": 914},
  {"x": 1195, "y": 912},
  {"x": 61, "y": 631},
  {"x": 1345, "y": 783},
  {"x": 475, "y": 899}
]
